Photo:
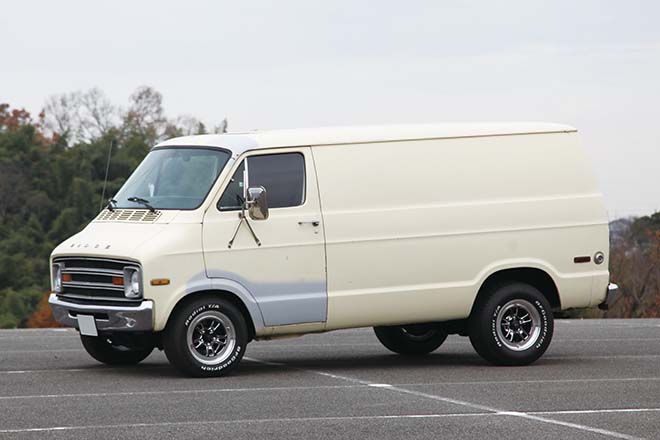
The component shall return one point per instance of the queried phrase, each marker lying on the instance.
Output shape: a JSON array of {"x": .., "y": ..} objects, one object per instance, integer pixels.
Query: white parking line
[
  {"x": 578, "y": 426},
  {"x": 96, "y": 369},
  {"x": 168, "y": 392},
  {"x": 245, "y": 421},
  {"x": 597, "y": 411},
  {"x": 466, "y": 404},
  {"x": 616, "y": 356},
  {"x": 314, "y": 387},
  {"x": 598, "y": 323},
  {"x": 606, "y": 339},
  {"x": 531, "y": 415},
  {"x": 61, "y": 370},
  {"x": 535, "y": 381}
]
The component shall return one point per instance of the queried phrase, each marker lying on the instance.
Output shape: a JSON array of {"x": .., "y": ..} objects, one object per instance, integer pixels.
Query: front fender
[{"x": 164, "y": 310}]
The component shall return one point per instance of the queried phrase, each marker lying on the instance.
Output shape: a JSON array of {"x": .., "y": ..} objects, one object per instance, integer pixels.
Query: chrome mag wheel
[
  {"x": 211, "y": 337},
  {"x": 518, "y": 325}
]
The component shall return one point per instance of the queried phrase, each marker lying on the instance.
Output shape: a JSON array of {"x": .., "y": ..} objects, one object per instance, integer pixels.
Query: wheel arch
[
  {"x": 533, "y": 276},
  {"x": 232, "y": 297}
]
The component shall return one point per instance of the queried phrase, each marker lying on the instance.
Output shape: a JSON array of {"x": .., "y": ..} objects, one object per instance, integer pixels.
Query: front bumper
[
  {"x": 107, "y": 318},
  {"x": 612, "y": 290}
]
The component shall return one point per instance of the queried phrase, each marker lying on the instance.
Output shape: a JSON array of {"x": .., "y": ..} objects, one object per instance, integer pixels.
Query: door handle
[{"x": 310, "y": 222}]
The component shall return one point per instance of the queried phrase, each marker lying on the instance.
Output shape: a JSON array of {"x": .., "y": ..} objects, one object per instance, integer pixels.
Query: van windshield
[{"x": 172, "y": 178}]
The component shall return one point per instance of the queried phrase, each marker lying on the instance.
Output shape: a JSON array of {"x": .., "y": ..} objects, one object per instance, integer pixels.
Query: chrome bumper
[
  {"x": 609, "y": 296},
  {"x": 107, "y": 318}
]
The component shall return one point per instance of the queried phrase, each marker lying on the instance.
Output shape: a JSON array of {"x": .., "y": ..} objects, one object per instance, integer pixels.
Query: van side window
[{"x": 283, "y": 176}]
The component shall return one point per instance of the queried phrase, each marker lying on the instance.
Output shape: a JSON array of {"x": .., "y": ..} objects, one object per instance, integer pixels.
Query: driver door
[{"x": 286, "y": 272}]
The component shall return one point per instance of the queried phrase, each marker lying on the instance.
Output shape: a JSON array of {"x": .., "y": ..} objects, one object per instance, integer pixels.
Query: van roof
[{"x": 240, "y": 142}]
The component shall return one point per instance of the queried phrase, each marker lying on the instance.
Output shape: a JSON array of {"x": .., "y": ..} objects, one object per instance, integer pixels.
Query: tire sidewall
[
  {"x": 185, "y": 359},
  {"x": 525, "y": 292}
]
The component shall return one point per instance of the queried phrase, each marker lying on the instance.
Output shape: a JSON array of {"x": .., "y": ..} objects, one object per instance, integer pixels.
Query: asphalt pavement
[{"x": 599, "y": 379}]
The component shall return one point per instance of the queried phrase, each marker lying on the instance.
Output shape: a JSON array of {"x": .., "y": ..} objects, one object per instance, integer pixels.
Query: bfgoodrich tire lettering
[
  {"x": 512, "y": 324},
  {"x": 207, "y": 337}
]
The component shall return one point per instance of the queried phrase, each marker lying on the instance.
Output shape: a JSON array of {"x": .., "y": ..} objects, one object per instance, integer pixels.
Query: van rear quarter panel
[{"x": 414, "y": 227}]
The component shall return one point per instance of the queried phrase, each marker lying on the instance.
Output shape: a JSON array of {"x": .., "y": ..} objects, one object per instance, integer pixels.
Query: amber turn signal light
[
  {"x": 118, "y": 281},
  {"x": 160, "y": 281}
]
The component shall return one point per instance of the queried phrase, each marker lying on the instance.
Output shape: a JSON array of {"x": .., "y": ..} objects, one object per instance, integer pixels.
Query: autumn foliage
[
  {"x": 635, "y": 267},
  {"x": 12, "y": 119},
  {"x": 43, "y": 316}
]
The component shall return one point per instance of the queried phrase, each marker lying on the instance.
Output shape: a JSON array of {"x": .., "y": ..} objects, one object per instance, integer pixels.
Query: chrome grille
[
  {"x": 93, "y": 279},
  {"x": 128, "y": 215}
]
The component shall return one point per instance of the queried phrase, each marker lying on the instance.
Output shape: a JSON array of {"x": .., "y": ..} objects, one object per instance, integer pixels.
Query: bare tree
[
  {"x": 189, "y": 125},
  {"x": 99, "y": 115},
  {"x": 61, "y": 114},
  {"x": 80, "y": 116},
  {"x": 145, "y": 113},
  {"x": 84, "y": 116}
]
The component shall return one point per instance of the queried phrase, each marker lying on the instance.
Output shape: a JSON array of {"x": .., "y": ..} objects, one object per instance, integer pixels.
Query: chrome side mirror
[{"x": 257, "y": 203}]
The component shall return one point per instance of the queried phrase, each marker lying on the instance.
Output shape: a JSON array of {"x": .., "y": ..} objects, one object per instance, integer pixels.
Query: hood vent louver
[{"x": 128, "y": 215}]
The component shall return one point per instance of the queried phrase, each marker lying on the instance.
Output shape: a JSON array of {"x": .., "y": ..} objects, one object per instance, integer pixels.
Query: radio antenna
[{"x": 105, "y": 180}]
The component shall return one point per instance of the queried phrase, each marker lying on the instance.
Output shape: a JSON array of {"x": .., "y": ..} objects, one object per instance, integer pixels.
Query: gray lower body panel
[{"x": 284, "y": 303}]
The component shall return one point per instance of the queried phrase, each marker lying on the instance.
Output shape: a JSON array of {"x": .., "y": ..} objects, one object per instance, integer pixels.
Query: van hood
[{"x": 111, "y": 239}]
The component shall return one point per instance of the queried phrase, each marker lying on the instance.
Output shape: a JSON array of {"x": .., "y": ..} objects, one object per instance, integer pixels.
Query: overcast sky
[{"x": 282, "y": 64}]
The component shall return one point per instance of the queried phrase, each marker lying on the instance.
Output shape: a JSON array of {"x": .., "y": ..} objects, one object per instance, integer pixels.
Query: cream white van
[{"x": 419, "y": 231}]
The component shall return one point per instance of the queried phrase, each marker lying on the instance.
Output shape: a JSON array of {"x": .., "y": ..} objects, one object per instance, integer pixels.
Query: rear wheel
[
  {"x": 207, "y": 337},
  {"x": 117, "y": 349},
  {"x": 512, "y": 325},
  {"x": 412, "y": 339}
]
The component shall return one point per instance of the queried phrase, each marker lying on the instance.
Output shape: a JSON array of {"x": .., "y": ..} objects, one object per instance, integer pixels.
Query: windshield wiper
[
  {"x": 112, "y": 204},
  {"x": 142, "y": 201}
]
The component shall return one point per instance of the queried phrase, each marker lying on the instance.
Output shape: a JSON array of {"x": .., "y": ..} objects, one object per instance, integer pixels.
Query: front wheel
[
  {"x": 117, "y": 349},
  {"x": 206, "y": 338},
  {"x": 512, "y": 325},
  {"x": 413, "y": 339}
]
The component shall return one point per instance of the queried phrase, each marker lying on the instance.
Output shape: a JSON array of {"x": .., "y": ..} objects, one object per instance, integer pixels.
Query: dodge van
[{"x": 419, "y": 231}]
